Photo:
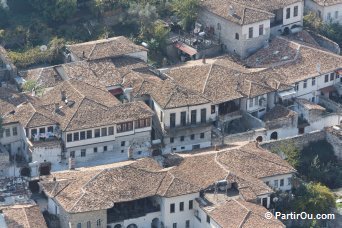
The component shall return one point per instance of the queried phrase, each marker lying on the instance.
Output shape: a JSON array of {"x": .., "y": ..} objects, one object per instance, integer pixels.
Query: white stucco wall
[{"x": 271, "y": 181}]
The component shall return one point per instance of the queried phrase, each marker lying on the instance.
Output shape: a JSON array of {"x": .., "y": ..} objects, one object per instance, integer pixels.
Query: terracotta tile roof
[
  {"x": 278, "y": 112},
  {"x": 242, "y": 14},
  {"x": 292, "y": 62},
  {"x": 222, "y": 79},
  {"x": 327, "y": 2},
  {"x": 90, "y": 189},
  {"x": 169, "y": 94},
  {"x": 309, "y": 105},
  {"x": 87, "y": 106},
  {"x": 47, "y": 77},
  {"x": 25, "y": 216},
  {"x": 268, "y": 5},
  {"x": 105, "y": 48},
  {"x": 239, "y": 213},
  {"x": 9, "y": 99}
]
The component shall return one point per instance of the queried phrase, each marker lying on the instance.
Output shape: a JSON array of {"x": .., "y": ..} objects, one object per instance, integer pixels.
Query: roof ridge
[
  {"x": 206, "y": 80},
  {"x": 92, "y": 50},
  {"x": 27, "y": 220}
]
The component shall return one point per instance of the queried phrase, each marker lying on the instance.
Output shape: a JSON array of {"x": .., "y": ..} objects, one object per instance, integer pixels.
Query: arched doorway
[
  {"x": 132, "y": 226},
  {"x": 155, "y": 223},
  {"x": 259, "y": 139},
  {"x": 274, "y": 135}
]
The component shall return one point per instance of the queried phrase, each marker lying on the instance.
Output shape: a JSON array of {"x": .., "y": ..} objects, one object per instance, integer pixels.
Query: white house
[
  {"x": 328, "y": 10},
  {"x": 194, "y": 191}
]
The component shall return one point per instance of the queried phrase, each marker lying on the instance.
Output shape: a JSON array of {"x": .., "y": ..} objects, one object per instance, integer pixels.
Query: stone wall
[
  {"x": 326, "y": 43},
  {"x": 299, "y": 141}
]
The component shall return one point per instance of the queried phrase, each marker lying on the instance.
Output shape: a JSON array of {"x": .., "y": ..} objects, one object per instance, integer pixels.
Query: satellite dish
[{"x": 43, "y": 48}]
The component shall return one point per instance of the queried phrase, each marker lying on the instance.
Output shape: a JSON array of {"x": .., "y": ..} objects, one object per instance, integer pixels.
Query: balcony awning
[
  {"x": 287, "y": 94},
  {"x": 185, "y": 48}
]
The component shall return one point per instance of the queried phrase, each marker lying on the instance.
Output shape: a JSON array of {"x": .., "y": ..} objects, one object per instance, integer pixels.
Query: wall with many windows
[
  {"x": 175, "y": 214},
  {"x": 11, "y": 138},
  {"x": 279, "y": 182}
]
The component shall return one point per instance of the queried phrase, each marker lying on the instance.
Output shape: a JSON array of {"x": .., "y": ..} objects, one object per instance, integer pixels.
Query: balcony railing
[
  {"x": 230, "y": 116},
  {"x": 187, "y": 125}
]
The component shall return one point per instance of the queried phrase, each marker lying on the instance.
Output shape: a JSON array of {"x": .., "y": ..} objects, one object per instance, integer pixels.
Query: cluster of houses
[{"x": 106, "y": 109}]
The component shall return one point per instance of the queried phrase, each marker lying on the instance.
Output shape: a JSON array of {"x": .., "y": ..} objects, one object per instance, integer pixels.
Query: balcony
[
  {"x": 230, "y": 116},
  {"x": 187, "y": 126},
  {"x": 130, "y": 210}
]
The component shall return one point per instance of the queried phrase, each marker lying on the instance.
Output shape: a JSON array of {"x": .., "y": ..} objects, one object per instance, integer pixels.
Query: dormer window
[{"x": 237, "y": 37}]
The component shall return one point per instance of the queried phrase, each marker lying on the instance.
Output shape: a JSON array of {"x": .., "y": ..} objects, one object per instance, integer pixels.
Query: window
[
  {"x": 95, "y": 149},
  {"x": 250, "y": 32},
  {"x": 1, "y": 133},
  {"x": 172, "y": 208},
  {"x": 98, "y": 223},
  {"x": 42, "y": 130},
  {"x": 212, "y": 109},
  {"x": 187, "y": 224},
  {"x": 105, "y": 148},
  {"x": 288, "y": 13},
  {"x": 88, "y": 224},
  {"x": 161, "y": 116},
  {"x": 123, "y": 143},
  {"x": 192, "y": 137},
  {"x": 83, "y": 152},
  {"x": 172, "y": 119},
  {"x": 183, "y": 118},
  {"x": 208, "y": 219},
  {"x": 237, "y": 37},
  {"x": 250, "y": 101},
  {"x": 50, "y": 129},
  {"x": 72, "y": 154},
  {"x": 34, "y": 133},
  {"x": 174, "y": 225},
  {"x": 329, "y": 16},
  {"x": 104, "y": 131},
  {"x": 142, "y": 123},
  {"x": 267, "y": 183},
  {"x": 305, "y": 84},
  {"x": 295, "y": 11},
  {"x": 79, "y": 225},
  {"x": 172, "y": 140},
  {"x": 296, "y": 86},
  {"x": 76, "y": 136},
  {"x": 82, "y": 135},
  {"x": 255, "y": 101},
  {"x": 123, "y": 127},
  {"x": 191, "y": 204},
  {"x": 336, "y": 14},
  {"x": 193, "y": 116},
  {"x": 332, "y": 76},
  {"x": 182, "y": 138},
  {"x": 197, "y": 215},
  {"x": 313, "y": 82},
  {"x": 111, "y": 131},
  {"x": 319, "y": 13},
  {"x": 69, "y": 137},
  {"x": 203, "y": 115},
  {"x": 261, "y": 30},
  {"x": 15, "y": 131},
  {"x": 281, "y": 182},
  {"x": 276, "y": 183},
  {"x": 218, "y": 26},
  {"x": 89, "y": 134},
  {"x": 202, "y": 135},
  {"x": 181, "y": 206},
  {"x": 97, "y": 133},
  {"x": 326, "y": 78},
  {"x": 289, "y": 181}
]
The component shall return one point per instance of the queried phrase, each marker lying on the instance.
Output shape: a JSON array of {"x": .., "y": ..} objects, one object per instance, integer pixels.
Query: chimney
[
  {"x": 231, "y": 10},
  {"x": 63, "y": 96},
  {"x": 56, "y": 108},
  {"x": 71, "y": 163},
  {"x": 204, "y": 61}
]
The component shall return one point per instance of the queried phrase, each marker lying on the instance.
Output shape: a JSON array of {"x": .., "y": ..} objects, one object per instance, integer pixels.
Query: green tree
[
  {"x": 56, "y": 10},
  {"x": 159, "y": 34},
  {"x": 314, "y": 198},
  {"x": 32, "y": 85},
  {"x": 187, "y": 11},
  {"x": 291, "y": 152}
]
